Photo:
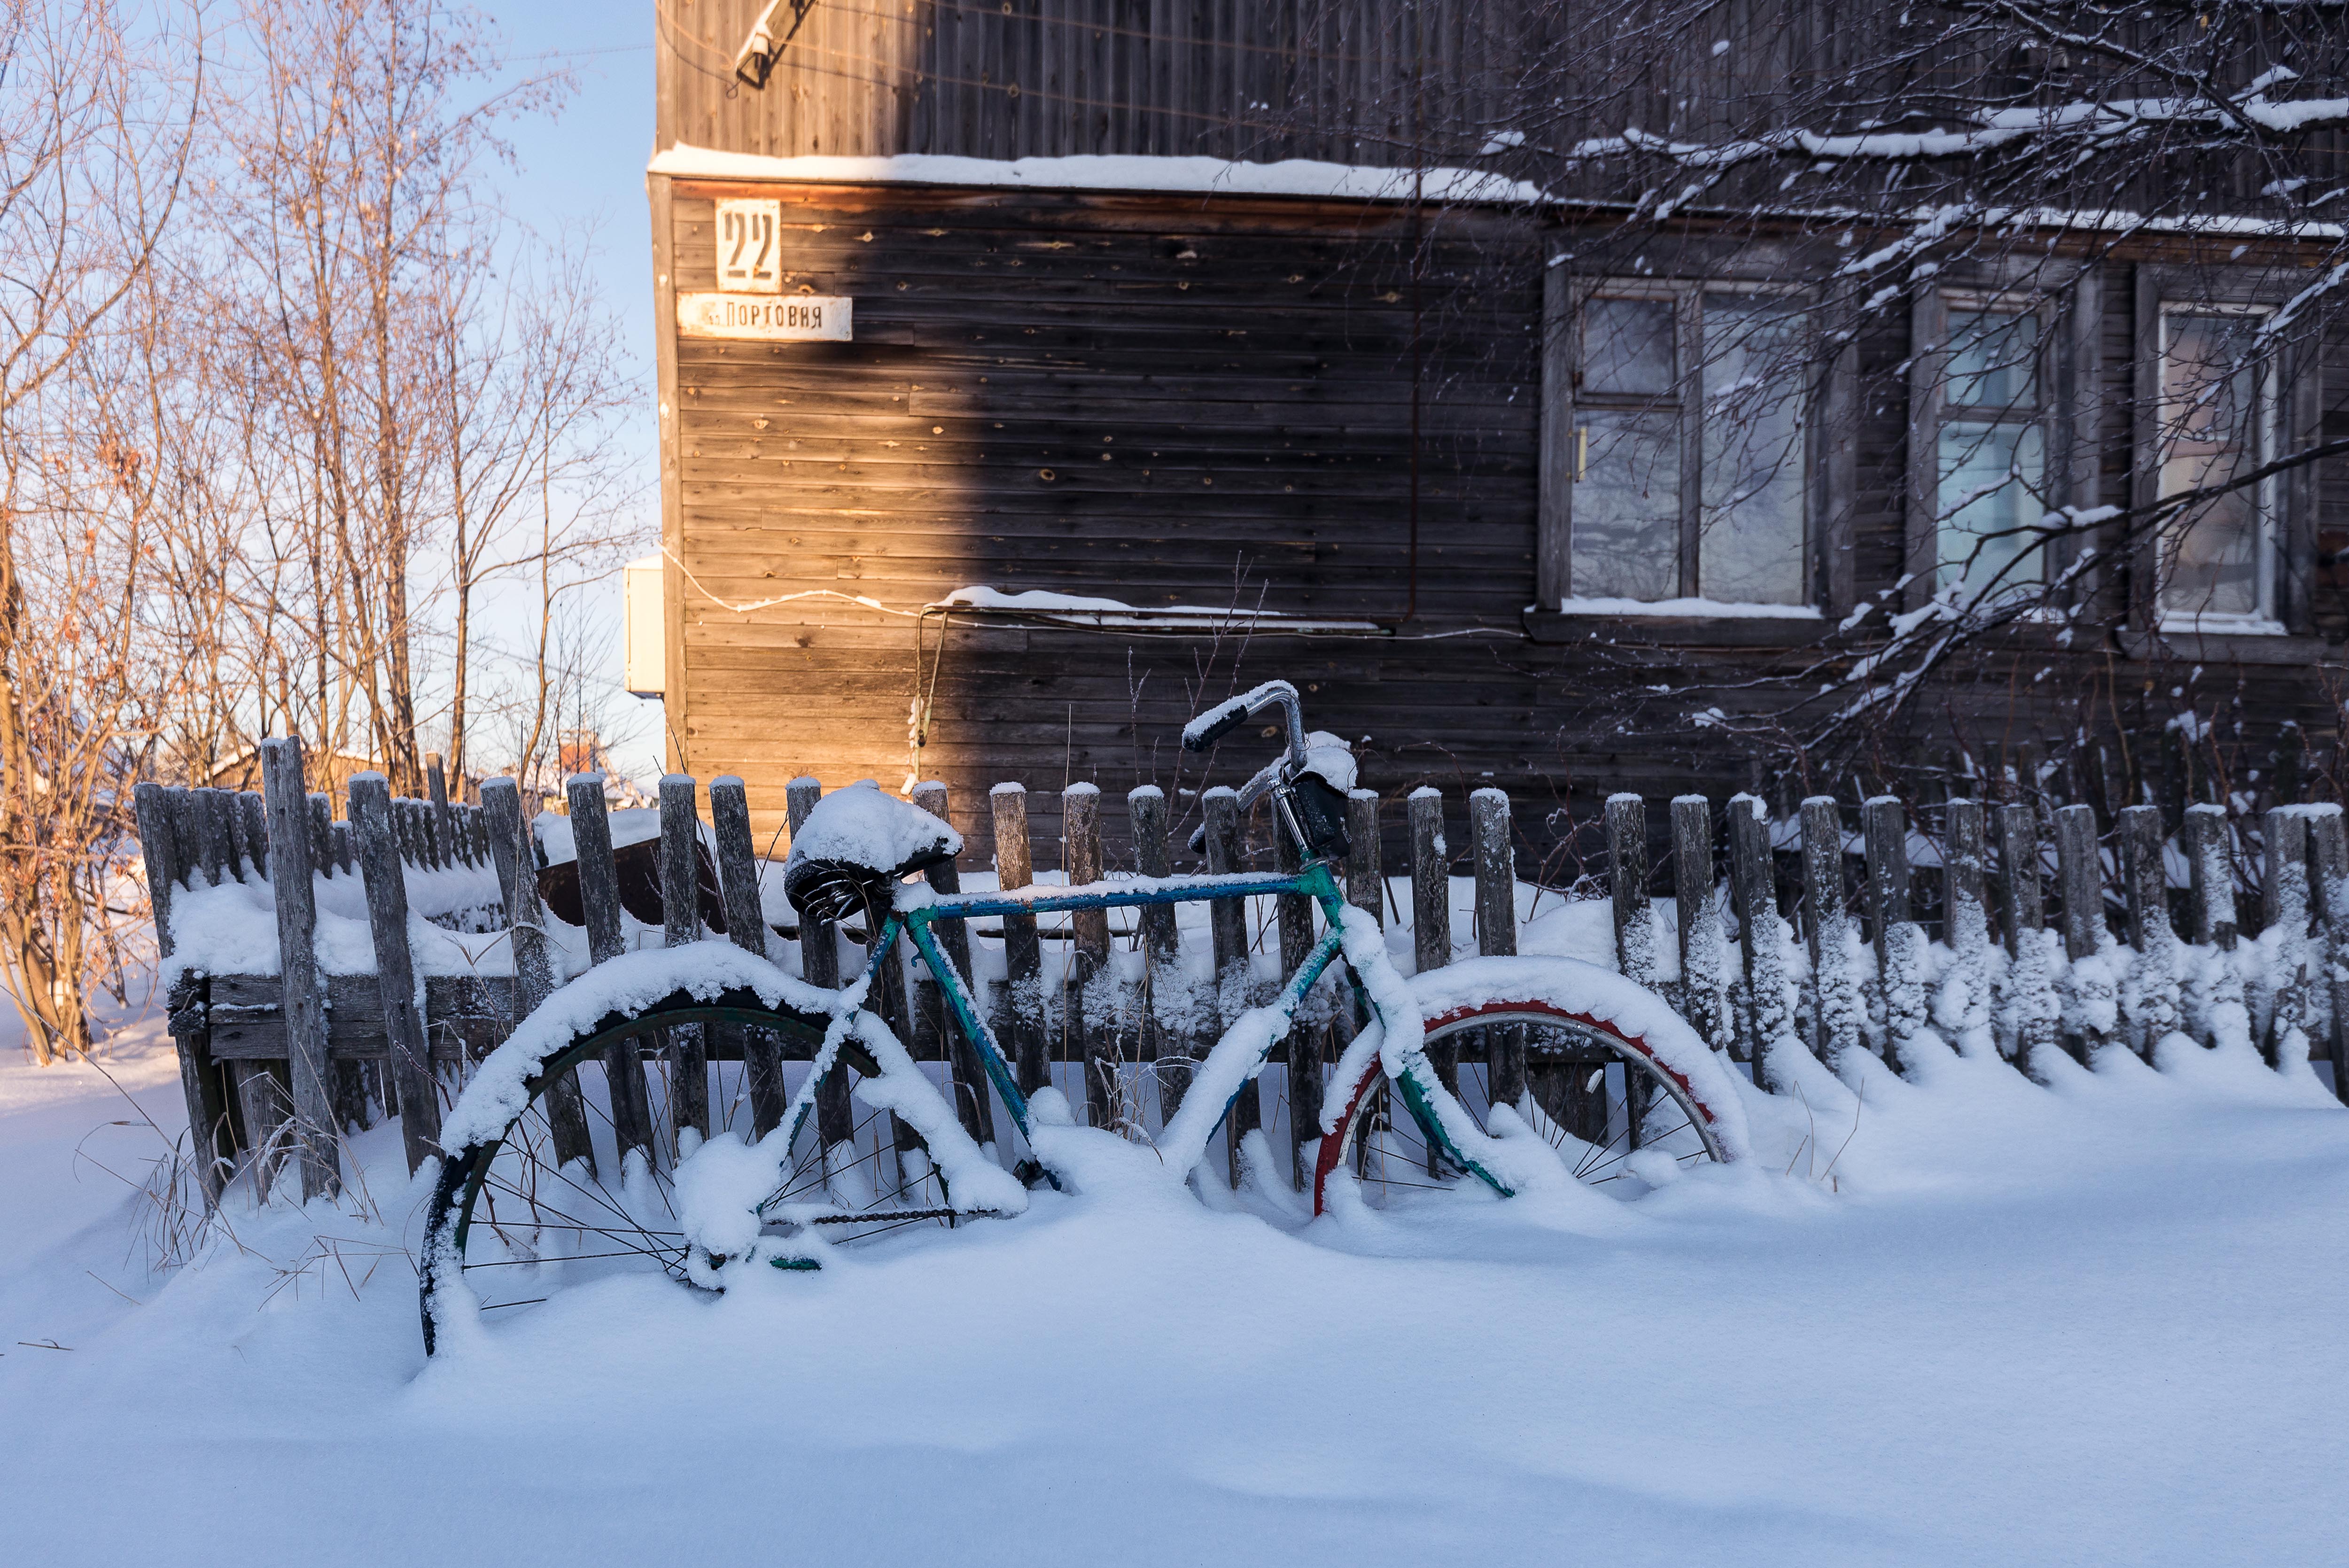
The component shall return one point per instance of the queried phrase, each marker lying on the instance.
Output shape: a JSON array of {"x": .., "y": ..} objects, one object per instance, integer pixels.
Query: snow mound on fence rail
[
  {"x": 1573, "y": 986},
  {"x": 627, "y": 825},
  {"x": 231, "y": 928},
  {"x": 628, "y": 983}
]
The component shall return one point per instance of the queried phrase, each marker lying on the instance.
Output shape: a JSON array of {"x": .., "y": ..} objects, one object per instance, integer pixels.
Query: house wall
[{"x": 1178, "y": 400}]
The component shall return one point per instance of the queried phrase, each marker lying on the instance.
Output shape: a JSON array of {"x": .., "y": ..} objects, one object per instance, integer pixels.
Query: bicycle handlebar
[{"x": 1221, "y": 719}]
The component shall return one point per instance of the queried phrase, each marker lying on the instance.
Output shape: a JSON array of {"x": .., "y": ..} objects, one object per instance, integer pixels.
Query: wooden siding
[{"x": 1167, "y": 400}]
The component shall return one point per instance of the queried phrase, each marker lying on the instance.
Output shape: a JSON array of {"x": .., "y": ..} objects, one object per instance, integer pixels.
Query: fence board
[
  {"x": 288, "y": 804},
  {"x": 599, "y": 903},
  {"x": 680, "y": 864},
  {"x": 211, "y": 1144},
  {"x": 972, "y": 1104},
  {"x": 1228, "y": 933},
  {"x": 1021, "y": 1004},
  {"x": 386, "y": 900}
]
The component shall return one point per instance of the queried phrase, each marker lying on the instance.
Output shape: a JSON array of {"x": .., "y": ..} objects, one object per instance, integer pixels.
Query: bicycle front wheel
[{"x": 1598, "y": 1091}]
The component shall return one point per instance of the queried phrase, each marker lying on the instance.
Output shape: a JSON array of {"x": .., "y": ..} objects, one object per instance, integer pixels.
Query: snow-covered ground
[{"x": 1980, "y": 1321}]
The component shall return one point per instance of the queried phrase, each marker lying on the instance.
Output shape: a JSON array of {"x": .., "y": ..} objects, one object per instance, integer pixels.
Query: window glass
[
  {"x": 2215, "y": 416},
  {"x": 1994, "y": 360},
  {"x": 1626, "y": 505},
  {"x": 1627, "y": 347},
  {"x": 1992, "y": 477},
  {"x": 1750, "y": 505}
]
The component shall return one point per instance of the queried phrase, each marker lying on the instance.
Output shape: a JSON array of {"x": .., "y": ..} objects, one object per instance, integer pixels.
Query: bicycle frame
[
  {"x": 919, "y": 923},
  {"x": 917, "y": 918}
]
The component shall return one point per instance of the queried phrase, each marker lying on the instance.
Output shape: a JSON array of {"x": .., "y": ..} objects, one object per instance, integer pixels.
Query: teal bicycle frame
[{"x": 921, "y": 917}]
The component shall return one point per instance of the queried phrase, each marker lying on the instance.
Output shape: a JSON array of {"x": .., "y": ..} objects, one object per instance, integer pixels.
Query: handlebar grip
[{"x": 1197, "y": 737}]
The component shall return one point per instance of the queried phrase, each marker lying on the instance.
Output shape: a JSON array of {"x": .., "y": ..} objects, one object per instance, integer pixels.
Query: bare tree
[
  {"x": 363, "y": 250},
  {"x": 531, "y": 385},
  {"x": 94, "y": 146}
]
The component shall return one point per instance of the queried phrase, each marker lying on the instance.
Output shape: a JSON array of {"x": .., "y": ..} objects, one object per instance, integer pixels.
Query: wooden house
[{"x": 1031, "y": 375}]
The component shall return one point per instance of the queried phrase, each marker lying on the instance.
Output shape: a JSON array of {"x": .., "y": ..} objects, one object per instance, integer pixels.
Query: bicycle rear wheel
[{"x": 1596, "y": 1092}]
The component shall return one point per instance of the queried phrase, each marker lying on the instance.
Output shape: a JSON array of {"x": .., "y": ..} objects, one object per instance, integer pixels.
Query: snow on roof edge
[
  {"x": 1305, "y": 177},
  {"x": 1094, "y": 171}
]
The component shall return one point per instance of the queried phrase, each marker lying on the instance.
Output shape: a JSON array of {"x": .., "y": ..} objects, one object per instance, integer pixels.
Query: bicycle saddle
[{"x": 855, "y": 846}]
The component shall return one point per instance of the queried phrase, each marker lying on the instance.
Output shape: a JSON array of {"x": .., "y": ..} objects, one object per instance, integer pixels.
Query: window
[
  {"x": 2217, "y": 421},
  {"x": 1991, "y": 452},
  {"x": 1689, "y": 448}
]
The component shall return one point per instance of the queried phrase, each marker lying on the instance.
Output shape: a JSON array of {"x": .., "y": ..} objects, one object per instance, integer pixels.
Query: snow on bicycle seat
[{"x": 855, "y": 846}]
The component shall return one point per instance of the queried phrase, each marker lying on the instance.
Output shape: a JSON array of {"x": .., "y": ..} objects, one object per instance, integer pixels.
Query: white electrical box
[{"x": 643, "y": 626}]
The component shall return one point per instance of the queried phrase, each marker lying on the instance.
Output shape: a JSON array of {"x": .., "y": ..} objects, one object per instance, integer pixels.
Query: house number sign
[{"x": 751, "y": 303}]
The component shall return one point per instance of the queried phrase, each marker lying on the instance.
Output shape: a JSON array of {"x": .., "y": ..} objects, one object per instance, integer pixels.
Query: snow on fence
[{"x": 416, "y": 942}]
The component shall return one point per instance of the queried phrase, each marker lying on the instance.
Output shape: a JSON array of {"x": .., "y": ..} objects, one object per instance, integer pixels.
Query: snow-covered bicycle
[{"x": 1393, "y": 1130}]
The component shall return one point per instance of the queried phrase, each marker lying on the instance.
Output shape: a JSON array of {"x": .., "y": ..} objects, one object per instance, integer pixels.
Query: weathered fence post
[
  {"x": 1094, "y": 1038},
  {"x": 2283, "y": 889},
  {"x": 422, "y": 850},
  {"x": 972, "y": 1105},
  {"x": 1365, "y": 890},
  {"x": 746, "y": 928},
  {"x": 1227, "y": 931},
  {"x": 225, "y": 836},
  {"x": 1366, "y": 884},
  {"x": 2328, "y": 854},
  {"x": 1431, "y": 908},
  {"x": 1704, "y": 977},
  {"x": 444, "y": 825},
  {"x": 1965, "y": 923},
  {"x": 1627, "y": 885},
  {"x": 2080, "y": 867},
  {"x": 1022, "y": 1006},
  {"x": 1168, "y": 1045},
  {"x": 680, "y": 864},
  {"x": 322, "y": 832},
  {"x": 599, "y": 903},
  {"x": 403, "y": 832},
  {"x": 253, "y": 826},
  {"x": 303, "y": 1003},
  {"x": 514, "y": 852},
  {"x": 210, "y": 1145},
  {"x": 186, "y": 812},
  {"x": 2144, "y": 889},
  {"x": 264, "y": 1095},
  {"x": 395, "y": 967},
  {"x": 2021, "y": 908},
  {"x": 1899, "y": 946},
  {"x": 1832, "y": 982},
  {"x": 2212, "y": 876},
  {"x": 1294, "y": 915},
  {"x": 2152, "y": 993},
  {"x": 2024, "y": 914},
  {"x": 1496, "y": 933},
  {"x": 1753, "y": 884}
]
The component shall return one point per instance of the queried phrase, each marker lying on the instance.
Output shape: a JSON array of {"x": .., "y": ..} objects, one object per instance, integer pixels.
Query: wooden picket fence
[{"x": 1772, "y": 949}]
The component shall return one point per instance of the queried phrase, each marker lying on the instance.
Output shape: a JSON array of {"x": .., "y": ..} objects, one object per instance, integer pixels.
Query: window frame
[
  {"x": 2071, "y": 406},
  {"x": 2295, "y": 405},
  {"x": 2042, "y": 414},
  {"x": 2267, "y": 496},
  {"x": 1564, "y": 299}
]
